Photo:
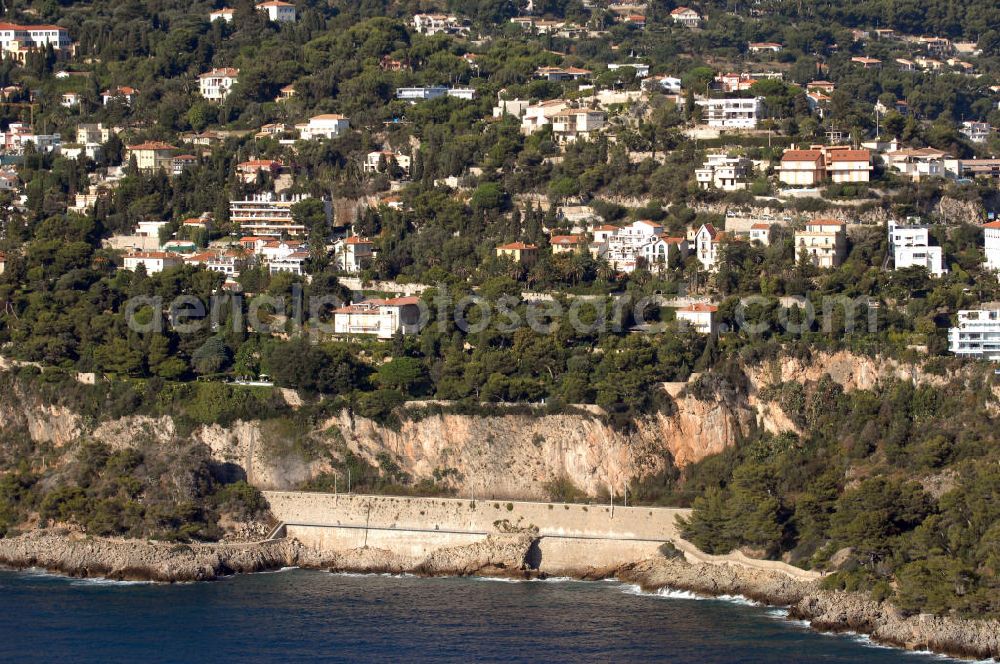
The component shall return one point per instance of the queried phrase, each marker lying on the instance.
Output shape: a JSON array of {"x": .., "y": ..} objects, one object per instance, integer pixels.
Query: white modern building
[
  {"x": 977, "y": 334},
  {"x": 976, "y": 132},
  {"x": 270, "y": 215},
  {"x": 421, "y": 93},
  {"x": 991, "y": 233},
  {"x": 911, "y": 247},
  {"x": 216, "y": 84},
  {"x": 720, "y": 171},
  {"x": 432, "y": 24},
  {"x": 328, "y": 125},
  {"x": 641, "y": 69},
  {"x": 668, "y": 84},
  {"x": 373, "y": 160},
  {"x": 382, "y": 318},
  {"x": 732, "y": 113},
  {"x": 571, "y": 124},
  {"x": 153, "y": 261}
]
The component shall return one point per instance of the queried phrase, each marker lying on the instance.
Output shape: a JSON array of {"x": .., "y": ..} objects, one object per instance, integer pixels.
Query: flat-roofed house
[{"x": 381, "y": 318}]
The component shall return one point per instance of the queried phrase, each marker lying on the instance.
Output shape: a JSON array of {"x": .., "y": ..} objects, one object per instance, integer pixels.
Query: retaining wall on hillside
[{"x": 572, "y": 538}]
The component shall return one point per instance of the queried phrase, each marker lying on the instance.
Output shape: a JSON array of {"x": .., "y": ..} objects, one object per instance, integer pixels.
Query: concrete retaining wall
[{"x": 573, "y": 538}]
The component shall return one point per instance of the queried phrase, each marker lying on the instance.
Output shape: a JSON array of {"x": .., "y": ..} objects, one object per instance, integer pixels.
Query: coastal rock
[
  {"x": 857, "y": 612},
  {"x": 825, "y": 610},
  {"x": 139, "y": 560},
  {"x": 770, "y": 587},
  {"x": 498, "y": 554}
]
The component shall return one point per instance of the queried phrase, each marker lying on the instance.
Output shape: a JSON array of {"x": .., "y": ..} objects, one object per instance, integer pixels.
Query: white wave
[
  {"x": 738, "y": 599},
  {"x": 278, "y": 571},
  {"x": 101, "y": 581}
]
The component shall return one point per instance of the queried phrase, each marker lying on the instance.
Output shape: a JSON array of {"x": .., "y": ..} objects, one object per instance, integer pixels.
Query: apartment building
[
  {"x": 732, "y": 113},
  {"x": 812, "y": 167},
  {"x": 977, "y": 334},
  {"x": 643, "y": 243},
  {"x": 823, "y": 242},
  {"x": 571, "y": 124},
  {"x": 802, "y": 168},
  {"x": 991, "y": 233},
  {"x": 270, "y": 215},
  {"x": 721, "y": 171}
]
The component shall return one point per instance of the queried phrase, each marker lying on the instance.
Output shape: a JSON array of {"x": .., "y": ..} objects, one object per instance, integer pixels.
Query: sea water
[{"x": 297, "y": 615}]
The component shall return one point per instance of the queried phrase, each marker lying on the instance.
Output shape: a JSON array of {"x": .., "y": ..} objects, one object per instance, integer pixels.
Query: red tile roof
[
  {"x": 802, "y": 155},
  {"x": 849, "y": 155},
  {"x": 517, "y": 245}
]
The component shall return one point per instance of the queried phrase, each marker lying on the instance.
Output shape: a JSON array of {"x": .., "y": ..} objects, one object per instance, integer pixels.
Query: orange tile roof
[
  {"x": 802, "y": 155},
  {"x": 221, "y": 71},
  {"x": 517, "y": 246},
  {"x": 698, "y": 307},
  {"x": 849, "y": 155}
]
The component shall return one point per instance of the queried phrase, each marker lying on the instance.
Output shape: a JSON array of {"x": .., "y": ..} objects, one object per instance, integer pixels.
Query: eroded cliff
[{"x": 503, "y": 455}]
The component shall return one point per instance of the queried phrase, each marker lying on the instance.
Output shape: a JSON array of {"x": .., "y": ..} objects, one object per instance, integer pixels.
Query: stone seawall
[{"x": 572, "y": 539}]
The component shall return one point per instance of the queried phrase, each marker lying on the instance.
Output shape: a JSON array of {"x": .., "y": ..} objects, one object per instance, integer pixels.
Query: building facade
[{"x": 977, "y": 334}]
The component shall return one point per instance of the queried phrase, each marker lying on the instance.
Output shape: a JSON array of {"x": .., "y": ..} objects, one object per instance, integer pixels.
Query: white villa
[
  {"x": 278, "y": 11},
  {"x": 215, "y": 84},
  {"x": 911, "y": 247},
  {"x": 328, "y": 125},
  {"x": 720, "y": 171},
  {"x": 382, "y": 318},
  {"x": 732, "y": 113}
]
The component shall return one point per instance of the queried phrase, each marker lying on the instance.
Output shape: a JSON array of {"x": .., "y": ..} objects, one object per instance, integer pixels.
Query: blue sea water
[{"x": 295, "y": 616}]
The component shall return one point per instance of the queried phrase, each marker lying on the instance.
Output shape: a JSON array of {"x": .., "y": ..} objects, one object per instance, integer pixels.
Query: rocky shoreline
[
  {"x": 501, "y": 554},
  {"x": 825, "y": 610}
]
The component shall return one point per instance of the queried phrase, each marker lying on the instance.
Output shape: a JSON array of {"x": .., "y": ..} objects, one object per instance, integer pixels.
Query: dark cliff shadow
[
  {"x": 533, "y": 559},
  {"x": 228, "y": 472}
]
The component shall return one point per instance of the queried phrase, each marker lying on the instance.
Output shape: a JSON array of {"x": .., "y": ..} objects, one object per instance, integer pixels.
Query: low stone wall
[{"x": 572, "y": 538}]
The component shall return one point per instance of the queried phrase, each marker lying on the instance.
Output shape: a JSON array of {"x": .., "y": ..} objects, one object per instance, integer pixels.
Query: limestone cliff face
[
  {"x": 518, "y": 455},
  {"x": 506, "y": 456}
]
